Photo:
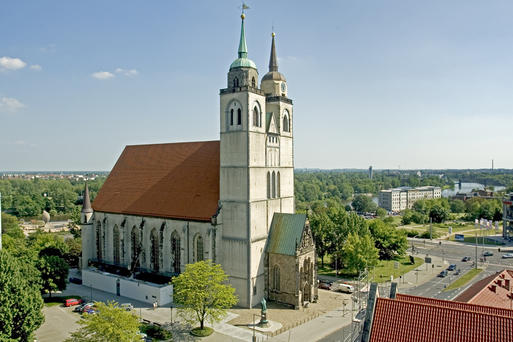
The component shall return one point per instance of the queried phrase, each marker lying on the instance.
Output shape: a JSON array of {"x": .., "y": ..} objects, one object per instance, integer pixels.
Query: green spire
[{"x": 243, "y": 49}]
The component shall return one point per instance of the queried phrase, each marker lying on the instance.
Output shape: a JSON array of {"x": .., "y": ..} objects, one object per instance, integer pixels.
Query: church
[{"x": 164, "y": 206}]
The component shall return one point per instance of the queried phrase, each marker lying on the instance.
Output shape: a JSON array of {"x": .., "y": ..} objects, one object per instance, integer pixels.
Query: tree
[
  {"x": 202, "y": 292},
  {"x": 54, "y": 273},
  {"x": 438, "y": 213},
  {"x": 457, "y": 206},
  {"x": 11, "y": 227},
  {"x": 110, "y": 323},
  {"x": 20, "y": 299},
  {"x": 359, "y": 252},
  {"x": 322, "y": 231},
  {"x": 389, "y": 241},
  {"x": 364, "y": 204},
  {"x": 381, "y": 213}
]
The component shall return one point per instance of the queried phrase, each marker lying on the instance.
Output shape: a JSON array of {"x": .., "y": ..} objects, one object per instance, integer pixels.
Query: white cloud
[
  {"x": 102, "y": 75},
  {"x": 127, "y": 72},
  {"x": 9, "y": 63},
  {"x": 36, "y": 67},
  {"x": 10, "y": 104}
]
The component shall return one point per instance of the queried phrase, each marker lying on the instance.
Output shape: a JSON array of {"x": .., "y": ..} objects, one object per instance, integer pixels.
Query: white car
[
  {"x": 345, "y": 288},
  {"x": 507, "y": 256}
]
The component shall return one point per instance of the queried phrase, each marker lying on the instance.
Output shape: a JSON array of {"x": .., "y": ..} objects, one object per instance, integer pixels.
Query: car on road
[
  {"x": 86, "y": 307},
  {"x": 465, "y": 259},
  {"x": 72, "y": 302},
  {"x": 487, "y": 253},
  {"x": 75, "y": 280},
  {"x": 507, "y": 256},
  {"x": 345, "y": 288},
  {"x": 451, "y": 267},
  {"x": 325, "y": 284},
  {"x": 443, "y": 274},
  {"x": 127, "y": 306}
]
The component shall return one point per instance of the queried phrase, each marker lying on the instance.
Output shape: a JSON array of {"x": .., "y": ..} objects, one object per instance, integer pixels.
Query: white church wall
[
  {"x": 258, "y": 183},
  {"x": 234, "y": 220},
  {"x": 286, "y": 153},
  {"x": 235, "y": 184},
  {"x": 287, "y": 182},
  {"x": 257, "y": 147}
]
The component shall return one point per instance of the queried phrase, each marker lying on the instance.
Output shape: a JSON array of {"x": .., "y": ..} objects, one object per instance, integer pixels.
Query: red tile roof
[
  {"x": 401, "y": 321},
  {"x": 179, "y": 180},
  {"x": 456, "y": 305},
  {"x": 491, "y": 291}
]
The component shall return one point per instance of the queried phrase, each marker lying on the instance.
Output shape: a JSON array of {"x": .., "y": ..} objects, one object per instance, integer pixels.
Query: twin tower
[{"x": 256, "y": 168}]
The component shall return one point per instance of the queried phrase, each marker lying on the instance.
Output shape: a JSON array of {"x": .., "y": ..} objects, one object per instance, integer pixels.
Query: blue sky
[{"x": 387, "y": 83}]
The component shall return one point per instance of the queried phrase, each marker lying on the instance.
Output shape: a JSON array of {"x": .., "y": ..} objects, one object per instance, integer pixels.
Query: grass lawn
[
  {"x": 464, "y": 279},
  {"x": 206, "y": 331},
  {"x": 381, "y": 273}
]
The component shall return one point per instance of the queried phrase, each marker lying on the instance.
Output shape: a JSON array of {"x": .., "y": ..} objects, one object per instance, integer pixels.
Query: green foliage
[
  {"x": 381, "y": 213},
  {"x": 202, "y": 332},
  {"x": 364, "y": 204},
  {"x": 111, "y": 323},
  {"x": 11, "y": 227},
  {"x": 411, "y": 232},
  {"x": 156, "y": 332},
  {"x": 74, "y": 251},
  {"x": 427, "y": 235},
  {"x": 359, "y": 252},
  {"x": 202, "y": 292},
  {"x": 457, "y": 206},
  {"x": 478, "y": 208},
  {"x": 410, "y": 216},
  {"x": 390, "y": 241},
  {"x": 54, "y": 273},
  {"x": 20, "y": 299}
]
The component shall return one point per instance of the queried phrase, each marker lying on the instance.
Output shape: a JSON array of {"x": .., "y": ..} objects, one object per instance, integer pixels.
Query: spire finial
[
  {"x": 86, "y": 203},
  {"x": 243, "y": 48},
  {"x": 273, "y": 61}
]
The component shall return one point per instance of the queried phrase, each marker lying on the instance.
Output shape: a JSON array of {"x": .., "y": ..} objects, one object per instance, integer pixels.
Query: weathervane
[{"x": 244, "y": 7}]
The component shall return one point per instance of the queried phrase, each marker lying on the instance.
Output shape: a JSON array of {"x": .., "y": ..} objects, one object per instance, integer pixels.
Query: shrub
[
  {"x": 411, "y": 233},
  {"x": 156, "y": 332},
  {"x": 425, "y": 235}
]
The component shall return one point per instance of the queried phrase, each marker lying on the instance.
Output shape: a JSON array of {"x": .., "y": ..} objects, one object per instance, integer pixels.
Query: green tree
[
  {"x": 359, "y": 252},
  {"x": 202, "y": 293},
  {"x": 457, "y": 206},
  {"x": 381, "y": 213},
  {"x": 390, "y": 241},
  {"x": 322, "y": 231},
  {"x": 364, "y": 204},
  {"x": 11, "y": 227},
  {"x": 438, "y": 213},
  {"x": 74, "y": 251},
  {"x": 54, "y": 273},
  {"x": 20, "y": 299},
  {"x": 110, "y": 323}
]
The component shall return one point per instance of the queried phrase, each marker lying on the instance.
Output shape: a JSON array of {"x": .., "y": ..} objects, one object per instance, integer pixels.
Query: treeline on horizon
[{"x": 28, "y": 198}]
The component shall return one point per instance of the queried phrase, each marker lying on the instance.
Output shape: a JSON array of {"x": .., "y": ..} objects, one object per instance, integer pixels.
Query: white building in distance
[{"x": 398, "y": 199}]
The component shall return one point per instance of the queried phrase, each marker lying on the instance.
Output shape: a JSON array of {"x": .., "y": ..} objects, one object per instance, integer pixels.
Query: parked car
[
  {"x": 507, "y": 256},
  {"x": 87, "y": 307},
  {"x": 325, "y": 284},
  {"x": 127, "y": 306},
  {"x": 443, "y": 274},
  {"x": 451, "y": 267},
  {"x": 72, "y": 302},
  {"x": 345, "y": 288},
  {"x": 75, "y": 280},
  {"x": 91, "y": 311},
  {"x": 487, "y": 253},
  {"x": 465, "y": 259}
]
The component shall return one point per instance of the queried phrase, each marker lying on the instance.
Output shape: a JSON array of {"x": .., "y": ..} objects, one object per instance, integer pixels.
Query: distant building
[
  {"x": 370, "y": 172},
  {"x": 403, "y": 198},
  {"x": 494, "y": 290},
  {"x": 507, "y": 216}
]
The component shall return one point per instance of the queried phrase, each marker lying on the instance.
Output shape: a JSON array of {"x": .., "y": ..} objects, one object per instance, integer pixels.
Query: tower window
[
  {"x": 286, "y": 123},
  {"x": 235, "y": 82},
  {"x": 253, "y": 82},
  {"x": 239, "y": 117},
  {"x": 273, "y": 195},
  {"x": 268, "y": 185},
  {"x": 257, "y": 117},
  {"x": 231, "y": 117},
  {"x": 278, "y": 184}
]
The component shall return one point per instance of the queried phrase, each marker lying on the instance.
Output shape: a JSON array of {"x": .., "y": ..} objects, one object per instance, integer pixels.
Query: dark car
[
  {"x": 443, "y": 274},
  {"x": 325, "y": 285},
  {"x": 451, "y": 267},
  {"x": 75, "y": 281},
  {"x": 487, "y": 253},
  {"x": 465, "y": 259}
]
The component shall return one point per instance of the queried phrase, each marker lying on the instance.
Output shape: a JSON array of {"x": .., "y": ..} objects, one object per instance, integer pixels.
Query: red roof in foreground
[
  {"x": 179, "y": 180},
  {"x": 402, "y": 321},
  {"x": 494, "y": 290}
]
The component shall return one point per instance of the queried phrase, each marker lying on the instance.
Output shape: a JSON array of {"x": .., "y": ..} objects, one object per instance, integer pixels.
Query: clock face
[{"x": 283, "y": 87}]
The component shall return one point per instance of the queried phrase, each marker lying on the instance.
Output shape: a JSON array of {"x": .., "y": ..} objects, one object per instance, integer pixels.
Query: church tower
[{"x": 256, "y": 168}]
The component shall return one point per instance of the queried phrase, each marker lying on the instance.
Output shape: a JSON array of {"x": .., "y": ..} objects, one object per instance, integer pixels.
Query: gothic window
[
  {"x": 239, "y": 117},
  {"x": 199, "y": 248},
  {"x": 175, "y": 251},
  {"x": 278, "y": 184},
  {"x": 276, "y": 278},
  {"x": 135, "y": 246},
  {"x": 253, "y": 83},
  {"x": 268, "y": 185},
  {"x": 161, "y": 245},
  {"x": 154, "y": 252},
  {"x": 99, "y": 241},
  {"x": 286, "y": 123},
  {"x": 115, "y": 244},
  {"x": 273, "y": 185},
  {"x": 255, "y": 116},
  {"x": 235, "y": 82},
  {"x": 231, "y": 117}
]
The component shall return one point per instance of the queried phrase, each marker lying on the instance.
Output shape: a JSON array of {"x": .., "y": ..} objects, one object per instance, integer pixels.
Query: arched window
[
  {"x": 255, "y": 117},
  {"x": 154, "y": 252},
  {"x": 253, "y": 83},
  {"x": 115, "y": 244},
  {"x": 286, "y": 124},
  {"x": 268, "y": 185},
  {"x": 276, "y": 278},
  {"x": 239, "y": 117},
  {"x": 99, "y": 241},
  {"x": 135, "y": 246},
  {"x": 235, "y": 82},
  {"x": 175, "y": 251},
  {"x": 199, "y": 248},
  {"x": 274, "y": 185},
  {"x": 231, "y": 117},
  {"x": 278, "y": 184}
]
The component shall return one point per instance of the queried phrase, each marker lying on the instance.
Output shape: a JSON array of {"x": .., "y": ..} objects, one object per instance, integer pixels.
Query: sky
[{"x": 388, "y": 83}]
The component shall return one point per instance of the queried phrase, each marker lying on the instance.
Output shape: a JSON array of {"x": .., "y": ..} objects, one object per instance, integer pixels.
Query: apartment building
[{"x": 398, "y": 199}]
